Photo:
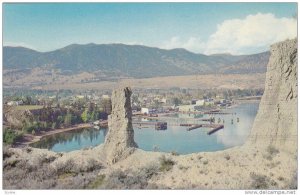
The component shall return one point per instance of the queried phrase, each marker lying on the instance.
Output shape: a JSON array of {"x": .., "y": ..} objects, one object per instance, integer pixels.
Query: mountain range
[{"x": 130, "y": 61}]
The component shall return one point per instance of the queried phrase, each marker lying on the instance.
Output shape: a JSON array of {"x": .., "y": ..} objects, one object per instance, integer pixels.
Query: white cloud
[{"x": 253, "y": 34}]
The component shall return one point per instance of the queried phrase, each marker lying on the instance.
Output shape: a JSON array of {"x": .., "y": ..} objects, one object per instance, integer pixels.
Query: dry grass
[
  {"x": 225, "y": 81},
  {"x": 131, "y": 179},
  {"x": 44, "y": 171},
  {"x": 29, "y": 107}
]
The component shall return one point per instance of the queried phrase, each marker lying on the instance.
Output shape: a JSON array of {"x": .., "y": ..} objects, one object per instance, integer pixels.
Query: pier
[
  {"x": 204, "y": 112},
  {"x": 214, "y": 127},
  {"x": 194, "y": 127},
  {"x": 190, "y": 127}
]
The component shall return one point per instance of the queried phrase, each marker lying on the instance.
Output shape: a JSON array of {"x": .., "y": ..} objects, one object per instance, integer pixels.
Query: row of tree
[{"x": 57, "y": 117}]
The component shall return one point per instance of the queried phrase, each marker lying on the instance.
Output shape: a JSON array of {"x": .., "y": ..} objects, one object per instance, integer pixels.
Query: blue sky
[{"x": 199, "y": 27}]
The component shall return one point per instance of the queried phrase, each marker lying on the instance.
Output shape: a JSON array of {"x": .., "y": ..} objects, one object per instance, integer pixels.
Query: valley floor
[{"x": 217, "y": 81}]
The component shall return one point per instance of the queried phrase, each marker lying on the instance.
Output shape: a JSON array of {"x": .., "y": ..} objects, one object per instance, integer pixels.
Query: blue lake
[{"x": 175, "y": 138}]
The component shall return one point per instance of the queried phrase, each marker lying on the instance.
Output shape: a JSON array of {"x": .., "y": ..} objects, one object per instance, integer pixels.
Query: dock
[
  {"x": 215, "y": 129},
  {"x": 194, "y": 127},
  {"x": 190, "y": 127},
  {"x": 217, "y": 113},
  {"x": 205, "y": 112},
  {"x": 185, "y": 125},
  {"x": 143, "y": 123}
]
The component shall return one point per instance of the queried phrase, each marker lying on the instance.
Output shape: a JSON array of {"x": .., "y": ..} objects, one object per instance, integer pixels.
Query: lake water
[{"x": 175, "y": 138}]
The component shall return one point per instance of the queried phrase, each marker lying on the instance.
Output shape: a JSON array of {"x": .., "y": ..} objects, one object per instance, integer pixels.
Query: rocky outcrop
[
  {"x": 276, "y": 120},
  {"x": 15, "y": 118},
  {"x": 119, "y": 141}
]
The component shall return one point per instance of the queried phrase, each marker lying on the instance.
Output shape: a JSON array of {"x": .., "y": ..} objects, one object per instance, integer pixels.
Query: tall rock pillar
[
  {"x": 119, "y": 141},
  {"x": 276, "y": 120}
]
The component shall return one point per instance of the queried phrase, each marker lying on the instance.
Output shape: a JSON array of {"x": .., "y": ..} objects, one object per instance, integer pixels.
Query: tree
[
  {"x": 95, "y": 115},
  {"x": 10, "y": 136},
  {"x": 103, "y": 115},
  {"x": 135, "y": 100},
  {"x": 105, "y": 105},
  {"x": 54, "y": 125},
  {"x": 68, "y": 119},
  {"x": 16, "y": 98},
  {"x": 27, "y": 100},
  {"x": 85, "y": 116},
  {"x": 60, "y": 120},
  {"x": 156, "y": 104},
  {"x": 176, "y": 101}
]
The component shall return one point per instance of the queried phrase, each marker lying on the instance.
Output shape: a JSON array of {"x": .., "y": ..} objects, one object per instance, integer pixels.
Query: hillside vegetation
[
  {"x": 132, "y": 61},
  {"x": 108, "y": 63}
]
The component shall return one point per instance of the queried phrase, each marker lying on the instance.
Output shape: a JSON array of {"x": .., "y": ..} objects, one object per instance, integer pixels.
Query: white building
[
  {"x": 187, "y": 108},
  {"x": 200, "y": 102},
  {"x": 15, "y": 103},
  {"x": 163, "y": 101},
  {"x": 223, "y": 101},
  {"x": 148, "y": 111},
  {"x": 105, "y": 97},
  {"x": 79, "y": 96},
  {"x": 145, "y": 110},
  {"x": 209, "y": 103}
]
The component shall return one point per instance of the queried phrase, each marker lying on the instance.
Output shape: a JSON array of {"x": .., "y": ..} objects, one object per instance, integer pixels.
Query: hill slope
[{"x": 131, "y": 61}]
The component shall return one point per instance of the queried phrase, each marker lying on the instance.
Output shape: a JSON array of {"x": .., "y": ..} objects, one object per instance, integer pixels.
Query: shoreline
[{"x": 30, "y": 139}]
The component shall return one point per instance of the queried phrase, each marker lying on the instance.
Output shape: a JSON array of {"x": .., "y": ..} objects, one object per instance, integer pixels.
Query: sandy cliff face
[
  {"x": 119, "y": 141},
  {"x": 276, "y": 121}
]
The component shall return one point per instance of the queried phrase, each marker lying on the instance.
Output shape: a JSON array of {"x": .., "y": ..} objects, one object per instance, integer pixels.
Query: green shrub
[
  {"x": 227, "y": 157},
  {"x": 272, "y": 150},
  {"x": 10, "y": 136},
  {"x": 205, "y": 162},
  {"x": 293, "y": 183},
  {"x": 129, "y": 179},
  {"x": 54, "y": 125},
  {"x": 65, "y": 167},
  {"x": 174, "y": 153},
  {"x": 97, "y": 182},
  {"x": 165, "y": 163},
  {"x": 30, "y": 126},
  {"x": 259, "y": 181}
]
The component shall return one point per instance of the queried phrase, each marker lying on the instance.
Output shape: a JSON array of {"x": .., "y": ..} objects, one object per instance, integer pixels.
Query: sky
[{"x": 236, "y": 28}]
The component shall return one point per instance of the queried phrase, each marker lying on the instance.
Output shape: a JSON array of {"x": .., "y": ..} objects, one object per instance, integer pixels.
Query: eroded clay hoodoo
[
  {"x": 119, "y": 141},
  {"x": 276, "y": 120}
]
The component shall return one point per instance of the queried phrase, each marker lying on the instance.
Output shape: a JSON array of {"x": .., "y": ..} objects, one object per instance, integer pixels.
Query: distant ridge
[{"x": 132, "y": 60}]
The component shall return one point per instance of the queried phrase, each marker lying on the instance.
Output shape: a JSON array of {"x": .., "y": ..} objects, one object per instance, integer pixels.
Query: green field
[{"x": 29, "y": 107}]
